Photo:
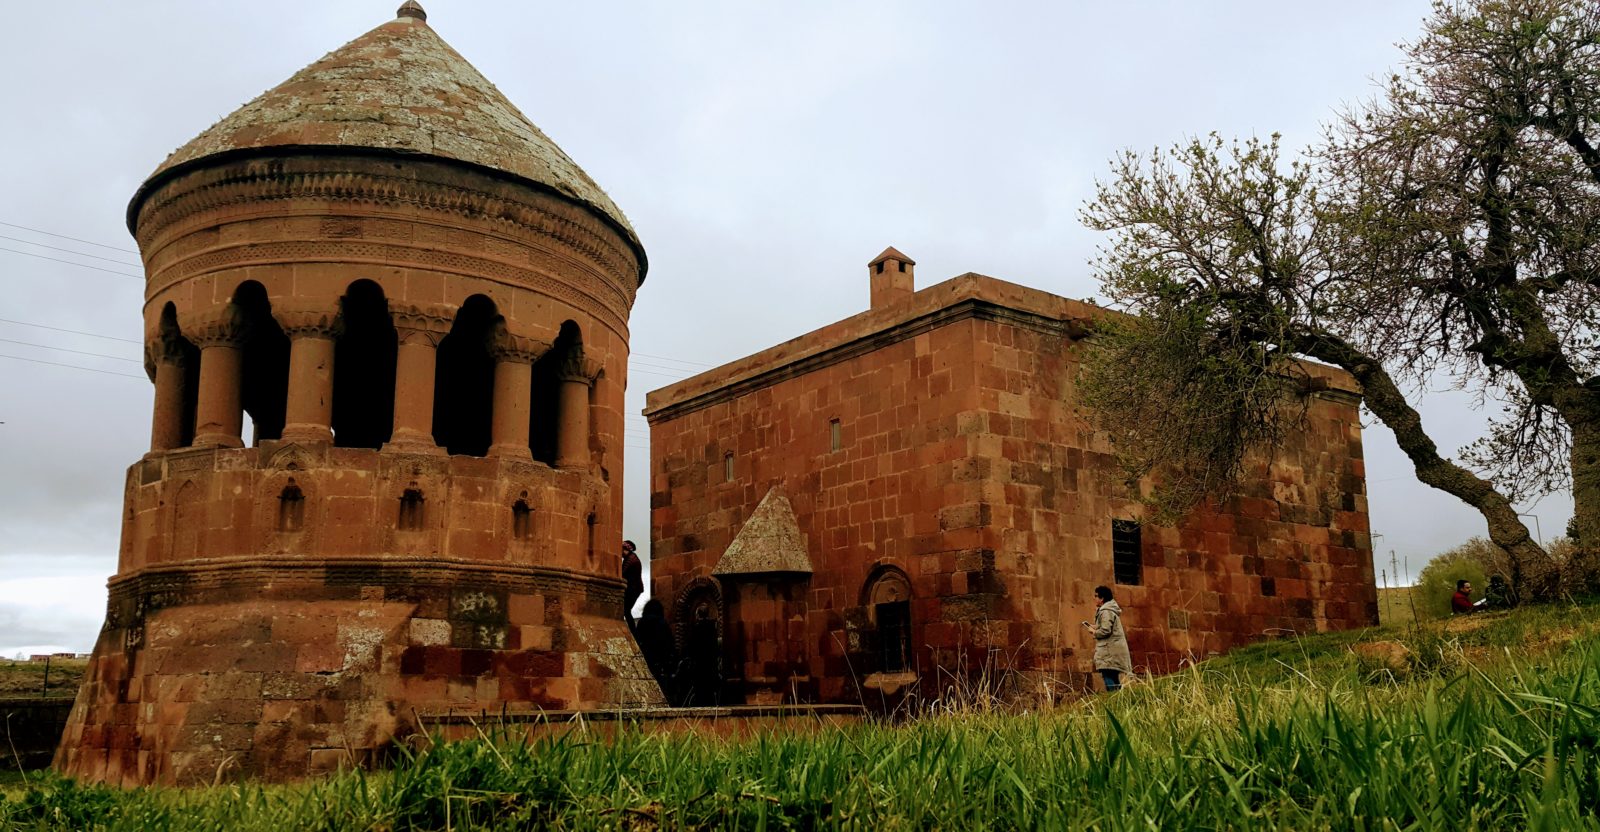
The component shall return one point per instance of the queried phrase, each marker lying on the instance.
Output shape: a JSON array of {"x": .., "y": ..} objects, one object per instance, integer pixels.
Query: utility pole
[
  {"x": 1411, "y": 593},
  {"x": 44, "y": 689}
]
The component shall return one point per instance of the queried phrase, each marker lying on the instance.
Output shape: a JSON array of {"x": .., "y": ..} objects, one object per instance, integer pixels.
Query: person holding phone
[{"x": 1111, "y": 656}]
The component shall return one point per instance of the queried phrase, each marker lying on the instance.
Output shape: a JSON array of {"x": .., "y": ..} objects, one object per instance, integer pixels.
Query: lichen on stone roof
[
  {"x": 769, "y": 542},
  {"x": 401, "y": 88}
]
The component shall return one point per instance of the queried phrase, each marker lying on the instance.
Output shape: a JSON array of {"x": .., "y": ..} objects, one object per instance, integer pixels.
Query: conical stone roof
[{"x": 398, "y": 88}]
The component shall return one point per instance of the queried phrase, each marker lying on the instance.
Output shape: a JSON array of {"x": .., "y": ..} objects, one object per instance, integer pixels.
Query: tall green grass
[{"x": 1491, "y": 728}]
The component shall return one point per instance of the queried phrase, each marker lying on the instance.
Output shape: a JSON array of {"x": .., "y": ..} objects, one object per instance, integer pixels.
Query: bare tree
[{"x": 1449, "y": 228}]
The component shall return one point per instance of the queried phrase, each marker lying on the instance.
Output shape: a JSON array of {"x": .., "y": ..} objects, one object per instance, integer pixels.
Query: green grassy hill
[
  {"x": 25, "y": 678},
  {"x": 1484, "y": 722}
]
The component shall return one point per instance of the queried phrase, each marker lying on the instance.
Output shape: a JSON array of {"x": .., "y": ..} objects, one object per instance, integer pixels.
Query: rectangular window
[
  {"x": 1127, "y": 565},
  {"x": 894, "y": 636},
  {"x": 727, "y": 467},
  {"x": 835, "y": 435}
]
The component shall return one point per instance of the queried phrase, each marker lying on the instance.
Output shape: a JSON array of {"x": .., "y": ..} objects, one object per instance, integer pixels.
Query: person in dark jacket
[
  {"x": 1461, "y": 602},
  {"x": 633, "y": 578},
  {"x": 655, "y": 642}
]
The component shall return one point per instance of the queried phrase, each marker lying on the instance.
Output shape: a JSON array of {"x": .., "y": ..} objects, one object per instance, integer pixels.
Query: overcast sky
[{"x": 764, "y": 152}]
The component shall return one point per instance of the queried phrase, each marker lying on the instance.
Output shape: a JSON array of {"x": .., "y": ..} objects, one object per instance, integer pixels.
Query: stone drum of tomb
[{"x": 421, "y": 305}]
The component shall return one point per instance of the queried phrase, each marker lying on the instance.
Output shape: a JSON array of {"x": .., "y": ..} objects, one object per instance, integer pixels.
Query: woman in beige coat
[{"x": 1111, "y": 641}]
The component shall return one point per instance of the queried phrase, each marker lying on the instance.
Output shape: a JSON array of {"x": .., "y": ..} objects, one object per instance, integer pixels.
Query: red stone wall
[
  {"x": 964, "y": 464},
  {"x": 239, "y": 643}
]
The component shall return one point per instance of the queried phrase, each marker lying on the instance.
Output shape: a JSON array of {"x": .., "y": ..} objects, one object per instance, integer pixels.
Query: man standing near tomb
[
  {"x": 1111, "y": 656},
  {"x": 633, "y": 576}
]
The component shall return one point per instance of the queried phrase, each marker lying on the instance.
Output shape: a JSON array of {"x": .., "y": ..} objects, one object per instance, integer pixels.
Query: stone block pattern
[
  {"x": 264, "y": 653},
  {"x": 964, "y": 465}
]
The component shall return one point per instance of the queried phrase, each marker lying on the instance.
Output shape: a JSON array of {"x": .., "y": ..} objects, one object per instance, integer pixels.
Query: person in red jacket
[{"x": 1461, "y": 602}]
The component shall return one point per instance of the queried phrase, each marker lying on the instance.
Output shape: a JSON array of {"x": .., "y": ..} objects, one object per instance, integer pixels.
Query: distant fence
[{"x": 30, "y": 729}]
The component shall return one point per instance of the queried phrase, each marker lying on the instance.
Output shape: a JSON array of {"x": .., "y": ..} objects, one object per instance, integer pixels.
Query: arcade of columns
[{"x": 308, "y": 410}]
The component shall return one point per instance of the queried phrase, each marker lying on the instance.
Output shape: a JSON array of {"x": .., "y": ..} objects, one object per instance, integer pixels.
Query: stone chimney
[{"x": 890, "y": 275}]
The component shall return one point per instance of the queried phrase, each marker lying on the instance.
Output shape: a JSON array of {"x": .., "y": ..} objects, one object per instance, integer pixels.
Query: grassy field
[
  {"x": 26, "y": 678},
  {"x": 1486, "y": 722},
  {"x": 1394, "y": 607}
]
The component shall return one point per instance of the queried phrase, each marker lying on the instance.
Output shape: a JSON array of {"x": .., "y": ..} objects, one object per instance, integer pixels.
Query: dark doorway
[
  {"x": 363, "y": 369},
  {"x": 264, "y": 363},
  {"x": 463, "y": 390}
]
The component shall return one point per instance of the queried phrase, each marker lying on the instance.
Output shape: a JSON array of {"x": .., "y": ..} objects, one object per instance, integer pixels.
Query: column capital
[
  {"x": 223, "y": 327},
  {"x": 162, "y": 349},
  {"x": 519, "y": 349},
  {"x": 309, "y": 321},
  {"x": 422, "y": 323},
  {"x": 575, "y": 366}
]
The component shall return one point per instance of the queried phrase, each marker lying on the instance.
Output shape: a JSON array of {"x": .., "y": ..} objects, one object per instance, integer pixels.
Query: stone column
[
  {"x": 164, "y": 362},
  {"x": 219, "y": 415},
  {"x": 513, "y": 392},
  {"x": 577, "y": 375},
  {"x": 313, "y": 334},
  {"x": 419, "y": 330}
]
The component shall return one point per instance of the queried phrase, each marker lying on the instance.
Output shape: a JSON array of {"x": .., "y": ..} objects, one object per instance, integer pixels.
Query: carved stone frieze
[
  {"x": 227, "y": 326},
  {"x": 422, "y": 323},
  {"x": 494, "y": 204},
  {"x": 516, "y": 348},
  {"x": 575, "y": 366},
  {"x": 309, "y": 321}
]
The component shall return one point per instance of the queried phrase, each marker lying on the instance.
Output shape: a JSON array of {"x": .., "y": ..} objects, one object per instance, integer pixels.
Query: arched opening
[
  {"x": 291, "y": 508},
  {"x": 521, "y": 519},
  {"x": 363, "y": 369},
  {"x": 698, "y": 625},
  {"x": 188, "y": 358},
  {"x": 188, "y": 521},
  {"x": 264, "y": 364},
  {"x": 590, "y": 532},
  {"x": 411, "y": 508},
  {"x": 544, "y": 412},
  {"x": 463, "y": 390},
  {"x": 887, "y": 597}
]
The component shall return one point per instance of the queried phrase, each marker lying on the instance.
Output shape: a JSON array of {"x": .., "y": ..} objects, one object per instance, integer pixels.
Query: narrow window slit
[
  {"x": 411, "y": 510},
  {"x": 521, "y": 520},
  {"x": 291, "y": 508}
]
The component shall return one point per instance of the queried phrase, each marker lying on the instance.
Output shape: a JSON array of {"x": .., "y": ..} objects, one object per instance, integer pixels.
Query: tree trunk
[
  {"x": 1584, "y": 568},
  {"x": 1385, "y": 400}
]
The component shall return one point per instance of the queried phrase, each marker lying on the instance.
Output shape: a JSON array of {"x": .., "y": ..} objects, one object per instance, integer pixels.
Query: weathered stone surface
[
  {"x": 401, "y": 88},
  {"x": 770, "y": 541},
  {"x": 934, "y": 443},
  {"x": 386, "y": 267}
]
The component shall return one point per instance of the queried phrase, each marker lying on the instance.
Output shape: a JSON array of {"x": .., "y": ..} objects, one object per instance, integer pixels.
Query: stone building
[
  {"x": 907, "y": 498},
  {"x": 421, "y": 303}
]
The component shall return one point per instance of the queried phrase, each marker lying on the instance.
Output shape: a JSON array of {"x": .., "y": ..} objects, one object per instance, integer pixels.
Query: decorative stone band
[
  {"x": 136, "y": 594},
  {"x": 422, "y": 323},
  {"x": 576, "y": 367},
  {"x": 616, "y": 269},
  {"x": 226, "y": 326},
  {"x": 307, "y": 322},
  {"x": 519, "y": 349}
]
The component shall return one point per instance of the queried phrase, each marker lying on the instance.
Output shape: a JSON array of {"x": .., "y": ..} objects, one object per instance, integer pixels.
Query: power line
[
  {"x": 72, "y": 366},
  {"x": 64, "y": 349},
  {"x": 679, "y": 360},
  {"x": 73, "y": 331},
  {"x": 71, "y": 251},
  {"x": 65, "y": 237},
  {"x": 73, "y": 263}
]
